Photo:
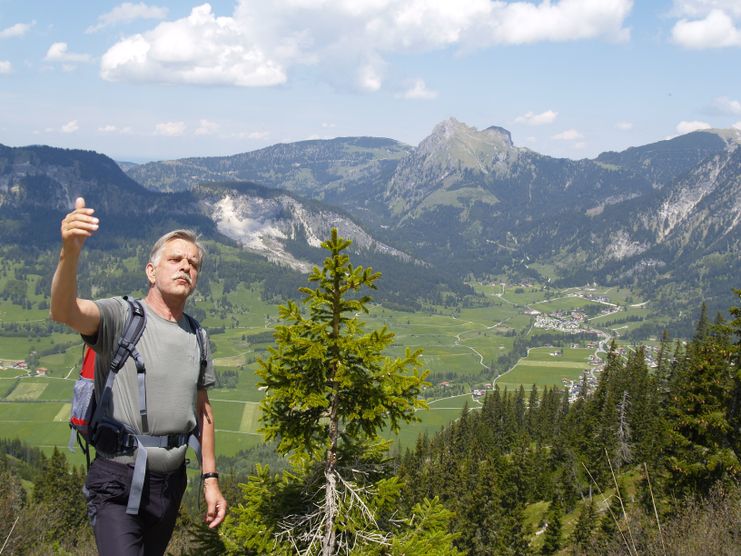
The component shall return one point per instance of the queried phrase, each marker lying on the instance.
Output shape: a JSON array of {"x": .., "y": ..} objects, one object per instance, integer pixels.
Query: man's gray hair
[{"x": 187, "y": 235}]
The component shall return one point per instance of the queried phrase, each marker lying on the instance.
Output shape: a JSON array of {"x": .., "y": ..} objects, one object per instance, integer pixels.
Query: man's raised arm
[{"x": 80, "y": 314}]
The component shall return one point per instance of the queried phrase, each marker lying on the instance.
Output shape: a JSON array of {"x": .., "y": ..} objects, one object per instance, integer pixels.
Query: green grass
[
  {"x": 457, "y": 341},
  {"x": 542, "y": 369}
]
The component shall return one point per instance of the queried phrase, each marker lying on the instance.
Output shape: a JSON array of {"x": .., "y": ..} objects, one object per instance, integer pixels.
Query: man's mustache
[{"x": 184, "y": 276}]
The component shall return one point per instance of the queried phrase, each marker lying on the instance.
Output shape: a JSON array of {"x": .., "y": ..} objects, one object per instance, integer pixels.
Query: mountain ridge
[{"x": 464, "y": 201}]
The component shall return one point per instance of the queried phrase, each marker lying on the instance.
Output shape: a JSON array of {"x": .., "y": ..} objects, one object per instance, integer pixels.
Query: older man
[{"x": 175, "y": 387}]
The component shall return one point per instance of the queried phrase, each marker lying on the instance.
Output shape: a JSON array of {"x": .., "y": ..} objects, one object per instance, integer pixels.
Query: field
[
  {"x": 546, "y": 367},
  {"x": 460, "y": 346}
]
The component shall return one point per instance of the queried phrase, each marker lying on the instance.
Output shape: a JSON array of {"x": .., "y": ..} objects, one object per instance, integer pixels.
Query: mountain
[
  {"x": 38, "y": 186},
  {"x": 662, "y": 217},
  {"x": 350, "y": 172}
]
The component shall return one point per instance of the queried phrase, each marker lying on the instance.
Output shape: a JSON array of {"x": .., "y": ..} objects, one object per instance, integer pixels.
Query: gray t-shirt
[{"x": 172, "y": 360}]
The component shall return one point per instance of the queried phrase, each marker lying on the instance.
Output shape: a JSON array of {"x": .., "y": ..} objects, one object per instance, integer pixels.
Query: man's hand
[
  {"x": 78, "y": 225},
  {"x": 215, "y": 501},
  {"x": 81, "y": 314}
]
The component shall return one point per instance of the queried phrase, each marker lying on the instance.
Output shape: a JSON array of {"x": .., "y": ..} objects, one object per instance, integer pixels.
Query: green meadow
[
  {"x": 546, "y": 367},
  {"x": 459, "y": 345}
]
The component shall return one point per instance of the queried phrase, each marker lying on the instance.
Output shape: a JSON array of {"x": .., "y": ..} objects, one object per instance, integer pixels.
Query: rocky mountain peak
[
  {"x": 451, "y": 139},
  {"x": 447, "y": 159}
]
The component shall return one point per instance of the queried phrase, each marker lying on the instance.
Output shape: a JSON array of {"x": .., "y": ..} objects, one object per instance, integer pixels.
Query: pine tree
[
  {"x": 552, "y": 536},
  {"x": 734, "y": 406},
  {"x": 330, "y": 391},
  {"x": 700, "y": 441},
  {"x": 584, "y": 526}
]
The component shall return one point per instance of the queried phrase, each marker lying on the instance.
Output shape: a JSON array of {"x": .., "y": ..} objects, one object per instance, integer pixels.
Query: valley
[{"x": 511, "y": 335}]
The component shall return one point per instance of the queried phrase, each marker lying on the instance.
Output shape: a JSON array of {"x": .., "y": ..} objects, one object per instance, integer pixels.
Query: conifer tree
[
  {"x": 552, "y": 536},
  {"x": 584, "y": 526},
  {"x": 734, "y": 407},
  {"x": 700, "y": 441},
  {"x": 330, "y": 392}
]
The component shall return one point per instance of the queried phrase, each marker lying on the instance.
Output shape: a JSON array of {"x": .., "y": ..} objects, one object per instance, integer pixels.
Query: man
[{"x": 176, "y": 390}]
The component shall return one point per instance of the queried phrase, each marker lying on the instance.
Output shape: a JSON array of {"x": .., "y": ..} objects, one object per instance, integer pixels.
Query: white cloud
[
  {"x": 419, "y": 91},
  {"x": 737, "y": 125},
  {"x": 346, "y": 41},
  {"x": 568, "y": 135},
  {"x": 251, "y": 135},
  {"x": 531, "y": 118},
  {"x": 564, "y": 21},
  {"x": 727, "y": 105},
  {"x": 109, "y": 128},
  {"x": 200, "y": 49},
  {"x": 699, "y": 8},
  {"x": 17, "y": 30},
  {"x": 58, "y": 52},
  {"x": 327, "y": 125},
  {"x": 688, "y": 127},
  {"x": 70, "y": 127},
  {"x": 5, "y": 67},
  {"x": 715, "y": 30},
  {"x": 126, "y": 13},
  {"x": 624, "y": 126},
  {"x": 369, "y": 78},
  {"x": 170, "y": 129},
  {"x": 207, "y": 127}
]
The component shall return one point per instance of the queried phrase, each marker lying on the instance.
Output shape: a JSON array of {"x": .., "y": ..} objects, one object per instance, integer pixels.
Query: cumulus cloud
[
  {"x": 260, "y": 42},
  {"x": 17, "y": 30},
  {"x": 207, "y": 127},
  {"x": 699, "y": 8},
  {"x": 716, "y": 30},
  {"x": 251, "y": 135},
  {"x": 727, "y": 105},
  {"x": 419, "y": 91},
  {"x": 624, "y": 126},
  {"x": 568, "y": 135},
  {"x": 170, "y": 129},
  {"x": 688, "y": 127},
  {"x": 59, "y": 52},
  {"x": 531, "y": 118},
  {"x": 70, "y": 127},
  {"x": 369, "y": 78},
  {"x": 5, "y": 67},
  {"x": 126, "y": 13},
  {"x": 109, "y": 128},
  {"x": 200, "y": 49},
  {"x": 737, "y": 125}
]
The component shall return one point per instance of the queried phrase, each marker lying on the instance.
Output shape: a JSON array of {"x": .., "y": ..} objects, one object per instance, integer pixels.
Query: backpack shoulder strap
[
  {"x": 132, "y": 331},
  {"x": 201, "y": 338}
]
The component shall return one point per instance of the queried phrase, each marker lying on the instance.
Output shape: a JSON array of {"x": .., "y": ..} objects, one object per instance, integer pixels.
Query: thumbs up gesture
[{"x": 78, "y": 225}]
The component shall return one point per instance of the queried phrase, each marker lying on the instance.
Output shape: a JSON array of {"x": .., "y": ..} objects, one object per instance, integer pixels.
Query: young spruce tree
[{"x": 330, "y": 391}]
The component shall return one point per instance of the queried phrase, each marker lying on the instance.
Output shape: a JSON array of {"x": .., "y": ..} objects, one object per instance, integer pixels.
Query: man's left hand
[{"x": 215, "y": 503}]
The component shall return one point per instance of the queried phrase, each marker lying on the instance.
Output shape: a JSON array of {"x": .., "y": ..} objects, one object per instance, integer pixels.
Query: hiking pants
[{"x": 120, "y": 534}]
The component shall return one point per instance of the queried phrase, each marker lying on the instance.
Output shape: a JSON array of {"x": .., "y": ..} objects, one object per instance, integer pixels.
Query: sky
[{"x": 141, "y": 81}]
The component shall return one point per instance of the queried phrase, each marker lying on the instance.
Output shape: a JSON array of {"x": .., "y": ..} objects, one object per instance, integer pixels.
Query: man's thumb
[{"x": 79, "y": 203}]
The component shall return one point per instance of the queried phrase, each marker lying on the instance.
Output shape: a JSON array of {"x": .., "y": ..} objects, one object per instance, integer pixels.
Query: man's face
[{"x": 176, "y": 272}]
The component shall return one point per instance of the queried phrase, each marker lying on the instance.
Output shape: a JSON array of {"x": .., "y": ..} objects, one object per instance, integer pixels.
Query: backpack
[{"x": 91, "y": 422}]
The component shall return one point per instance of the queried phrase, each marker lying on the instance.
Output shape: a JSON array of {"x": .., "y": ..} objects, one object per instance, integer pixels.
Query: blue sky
[{"x": 151, "y": 81}]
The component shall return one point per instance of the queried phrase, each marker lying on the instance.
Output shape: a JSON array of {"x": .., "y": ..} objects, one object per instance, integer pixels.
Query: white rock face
[
  {"x": 622, "y": 246},
  {"x": 680, "y": 204},
  {"x": 264, "y": 225}
]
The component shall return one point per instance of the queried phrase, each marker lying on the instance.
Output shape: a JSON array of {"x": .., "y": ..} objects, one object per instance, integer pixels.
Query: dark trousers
[{"x": 144, "y": 534}]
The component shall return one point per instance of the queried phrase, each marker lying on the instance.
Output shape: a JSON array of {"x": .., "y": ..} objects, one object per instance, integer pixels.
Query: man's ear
[{"x": 151, "y": 273}]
